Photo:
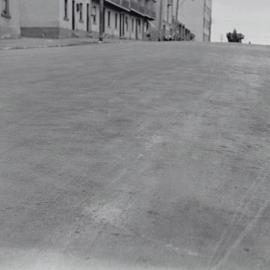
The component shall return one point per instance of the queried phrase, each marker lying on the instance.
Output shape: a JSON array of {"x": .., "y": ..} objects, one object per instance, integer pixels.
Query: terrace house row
[{"x": 127, "y": 19}]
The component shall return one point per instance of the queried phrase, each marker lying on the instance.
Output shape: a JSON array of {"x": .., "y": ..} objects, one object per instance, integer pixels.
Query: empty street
[{"x": 135, "y": 155}]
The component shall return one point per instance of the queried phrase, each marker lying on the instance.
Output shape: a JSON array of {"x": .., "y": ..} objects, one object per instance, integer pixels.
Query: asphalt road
[{"x": 135, "y": 156}]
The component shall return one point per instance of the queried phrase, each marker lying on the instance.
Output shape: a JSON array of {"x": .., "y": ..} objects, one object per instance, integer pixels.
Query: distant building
[
  {"x": 167, "y": 24},
  {"x": 9, "y": 18},
  {"x": 164, "y": 19},
  {"x": 197, "y": 16},
  {"x": 127, "y": 19}
]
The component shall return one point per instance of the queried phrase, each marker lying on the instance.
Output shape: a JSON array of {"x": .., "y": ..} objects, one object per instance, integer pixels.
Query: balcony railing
[
  {"x": 135, "y": 5},
  {"x": 119, "y": 3},
  {"x": 125, "y": 3},
  {"x": 150, "y": 13}
]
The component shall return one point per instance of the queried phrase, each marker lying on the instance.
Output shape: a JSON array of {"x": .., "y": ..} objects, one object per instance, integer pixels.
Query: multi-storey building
[
  {"x": 64, "y": 18},
  {"x": 164, "y": 19},
  {"x": 197, "y": 16},
  {"x": 9, "y": 18},
  {"x": 167, "y": 24}
]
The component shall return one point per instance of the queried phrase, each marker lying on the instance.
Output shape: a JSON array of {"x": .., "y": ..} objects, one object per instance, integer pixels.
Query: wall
[
  {"x": 130, "y": 32},
  {"x": 47, "y": 19},
  {"x": 95, "y": 25},
  {"x": 165, "y": 13},
  {"x": 66, "y": 23},
  {"x": 191, "y": 15},
  {"x": 10, "y": 27},
  {"x": 167, "y": 18},
  {"x": 138, "y": 22},
  {"x": 208, "y": 20},
  {"x": 112, "y": 30},
  {"x": 39, "y": 18},
  {"x": 39, "y": 13}
]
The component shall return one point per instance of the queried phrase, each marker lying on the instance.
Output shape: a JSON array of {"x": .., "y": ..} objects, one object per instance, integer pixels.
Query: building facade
[
  {"x": 167, "y": 23},
  {"x": 164, "y": 19},
  {"x": 9, "y": 18},
  {"x": 197, "y": 16},
  {"x": 127, "y": 19}
]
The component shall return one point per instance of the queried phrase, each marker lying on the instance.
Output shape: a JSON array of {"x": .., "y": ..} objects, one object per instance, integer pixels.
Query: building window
[
  {"x": 66, "y": 10},
  {"x": 147, "y": 25},
  {"x": 5, "y": 11},
  {"x": 127, "y": 23},
  {"x": 81, "y": 12},
  {"x": 116, "y": 20},
  {"x": 139, "y": 25},
  {"x": 168, "y": 11},
  {"x": 109, "y": 18},
  {"x": 94, "y": 14},
  {"x": 132, "y": 24}
]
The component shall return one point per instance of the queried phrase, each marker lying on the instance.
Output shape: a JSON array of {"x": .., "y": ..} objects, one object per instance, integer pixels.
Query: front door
[
  {"x": 87, "y": 17},
  {"x": 137, "y": 29},
  {"x": 73, "y": 15},
  {"x": 122, "y": 25}
]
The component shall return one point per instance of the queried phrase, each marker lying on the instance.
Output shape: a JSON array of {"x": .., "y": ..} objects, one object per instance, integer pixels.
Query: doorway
[
  {"x": 88, "y": 18},
  {"x": 73, "y": 15},
  {"x": 122, "y": 25},
  {"x": 137, "y": 28}
]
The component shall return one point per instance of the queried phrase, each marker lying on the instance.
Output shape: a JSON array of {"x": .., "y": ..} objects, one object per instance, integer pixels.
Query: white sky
[{"x": 250, "y": 17}]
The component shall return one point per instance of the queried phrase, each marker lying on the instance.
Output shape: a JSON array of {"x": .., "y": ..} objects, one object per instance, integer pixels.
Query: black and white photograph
[{"x": 134, "y": 135}]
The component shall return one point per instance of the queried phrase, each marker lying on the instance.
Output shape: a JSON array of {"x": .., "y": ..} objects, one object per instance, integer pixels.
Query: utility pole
[{"x": 101, "y": 20}]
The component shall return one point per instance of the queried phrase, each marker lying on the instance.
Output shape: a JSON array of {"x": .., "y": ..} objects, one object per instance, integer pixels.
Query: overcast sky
[{"x": 250, "y": 17}]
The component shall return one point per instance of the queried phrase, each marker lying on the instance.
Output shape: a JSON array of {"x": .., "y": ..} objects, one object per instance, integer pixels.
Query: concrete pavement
[
  {"x": 30, "y": 43},
  {"x": 135, "y": 156},
  {"x": 33, "y": 43}
]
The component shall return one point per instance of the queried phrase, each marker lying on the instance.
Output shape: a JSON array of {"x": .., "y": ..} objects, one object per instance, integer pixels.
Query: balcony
[
  {"x": 120, "y": 3},
  {"x": 150, "y": 13},
  {"x": 125, "y": 3},
  {"x": 136, "y": 7}
]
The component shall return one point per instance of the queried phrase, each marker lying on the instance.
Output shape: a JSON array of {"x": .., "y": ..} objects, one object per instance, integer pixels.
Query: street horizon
[{"x": 246, "y": 16}]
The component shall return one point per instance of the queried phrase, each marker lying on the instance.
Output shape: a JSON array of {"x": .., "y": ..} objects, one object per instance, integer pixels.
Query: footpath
[{"x": 29, "y": 43}]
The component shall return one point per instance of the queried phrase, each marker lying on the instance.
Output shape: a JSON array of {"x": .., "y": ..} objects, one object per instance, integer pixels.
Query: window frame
[
  {"x": 147, "y": 25},
  {"x": 94, "y": 14},
  {"x": 139, "y": 25},
  {"x": 127, "y": 23},
  {"x": 132, "y": 25},
  {"x": 116, "y": 20},
  {"x": 81, "y": 12},
  {"x": 66, "y": 10},
  {"x": 108, "y": 18},
  {"x": 6, "y": 10}
]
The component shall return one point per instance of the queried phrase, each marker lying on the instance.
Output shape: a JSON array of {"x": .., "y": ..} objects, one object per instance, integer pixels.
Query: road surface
[{"x": 135, "y": 156}]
